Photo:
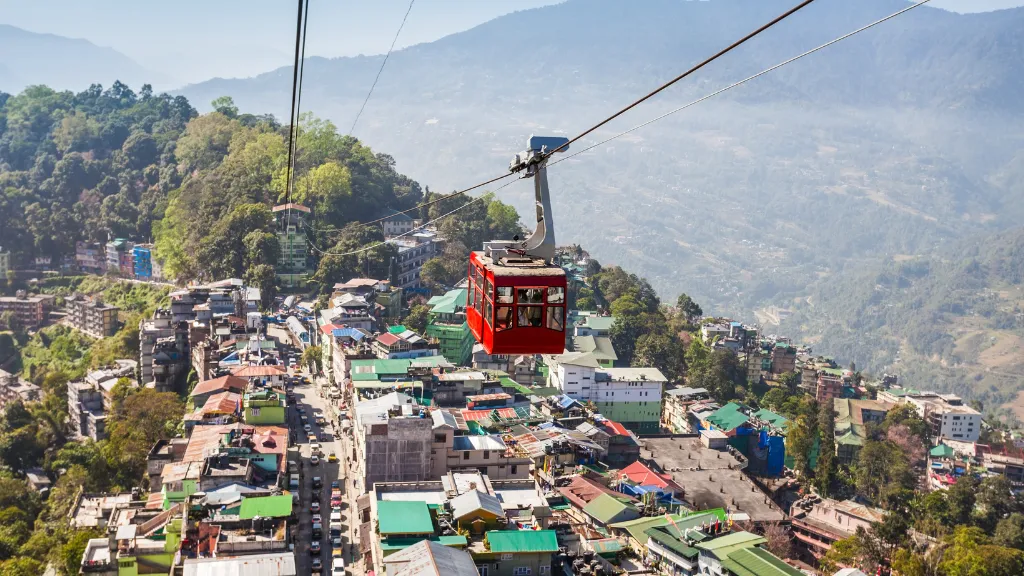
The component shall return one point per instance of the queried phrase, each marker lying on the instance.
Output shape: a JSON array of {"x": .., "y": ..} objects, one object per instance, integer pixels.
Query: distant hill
[
  {"x": 64, "y": 63},
  {"x": 902, "y": 141},
  {"x": 953, "y": 321}
]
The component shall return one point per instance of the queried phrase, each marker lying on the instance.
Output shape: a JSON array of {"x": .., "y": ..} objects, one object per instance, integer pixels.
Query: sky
[{"x": 195, "y": 40}]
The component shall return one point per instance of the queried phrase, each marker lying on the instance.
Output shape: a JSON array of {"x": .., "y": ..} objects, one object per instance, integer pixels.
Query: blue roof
[
  {"x": 566, "y": 401},
  {"x": 352, "y": 333},
  {"x": 735, "y": 324}
]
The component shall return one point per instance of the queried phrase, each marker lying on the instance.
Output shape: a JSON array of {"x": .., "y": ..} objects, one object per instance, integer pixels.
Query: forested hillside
[
  {"x": 954, "y": 320},
  {"x": 113, "y": 163}
]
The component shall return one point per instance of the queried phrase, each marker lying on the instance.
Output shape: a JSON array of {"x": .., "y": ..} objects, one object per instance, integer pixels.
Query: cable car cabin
[{"x": 516, "y": 305}]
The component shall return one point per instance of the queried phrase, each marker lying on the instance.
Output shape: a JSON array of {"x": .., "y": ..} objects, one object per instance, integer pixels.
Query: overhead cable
[
  {"x": 414, "y": 230},
  {"x": 382, "y": 64},
  {"x": 744, "y": 81},
  {"x": 707, "y": 61}
]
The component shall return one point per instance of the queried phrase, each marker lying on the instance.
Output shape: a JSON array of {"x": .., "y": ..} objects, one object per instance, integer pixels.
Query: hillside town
[{"x": 328, "y": 436}]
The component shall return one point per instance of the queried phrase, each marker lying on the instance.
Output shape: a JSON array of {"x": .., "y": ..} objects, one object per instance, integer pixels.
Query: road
[{"x": 307, "y": 396}]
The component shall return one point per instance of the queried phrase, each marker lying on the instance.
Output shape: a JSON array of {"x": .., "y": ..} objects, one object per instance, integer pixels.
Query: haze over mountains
[{"x": 791, "y": 192}]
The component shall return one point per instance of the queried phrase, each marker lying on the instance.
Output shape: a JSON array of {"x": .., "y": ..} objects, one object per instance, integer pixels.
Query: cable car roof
[{"x": 519, "y": 266}]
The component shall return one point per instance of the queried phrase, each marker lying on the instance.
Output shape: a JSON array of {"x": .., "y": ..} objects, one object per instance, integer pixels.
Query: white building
[
  {"x": 630, "y": 396},
  {"x": 945, "y": 413}
]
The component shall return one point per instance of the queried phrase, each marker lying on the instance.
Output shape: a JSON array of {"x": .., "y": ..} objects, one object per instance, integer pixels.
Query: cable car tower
[{"x": 516, "y": 300}]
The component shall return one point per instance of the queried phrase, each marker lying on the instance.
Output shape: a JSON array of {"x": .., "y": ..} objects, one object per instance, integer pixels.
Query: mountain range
[{"x": 64, "y": 63}]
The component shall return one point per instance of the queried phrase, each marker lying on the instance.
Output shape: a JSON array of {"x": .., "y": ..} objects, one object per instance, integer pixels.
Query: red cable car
[{"x": 516, "y": 299}]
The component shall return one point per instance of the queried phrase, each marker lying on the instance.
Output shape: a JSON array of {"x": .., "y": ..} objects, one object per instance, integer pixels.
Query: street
[{"x": 308, "y": 398}]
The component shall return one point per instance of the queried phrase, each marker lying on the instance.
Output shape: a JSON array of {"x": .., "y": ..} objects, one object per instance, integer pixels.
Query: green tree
[
  {"x": 882, "y": 469},
  {"x": 71, "y": 551},
  {"x": 790, "y": 381},
  {"x": 800, "y": 441},
  {"x": 417, "y": 317},
  {"x": 21, "y": 567},
  {"x": 226, "y": 106},
  {"x": 145, "y": 417},
  {"x": 261, "y": 247},
  {"x": 1009, "y": 531},
  {"x": 689, "y": 309},
  {"x": 661, "y": 351},
  {"x": 312, "y": 359},
  {"x": 825, "y": 472}
]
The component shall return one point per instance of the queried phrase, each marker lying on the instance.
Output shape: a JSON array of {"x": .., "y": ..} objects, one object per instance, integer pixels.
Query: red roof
[
  {"x": 292, "y": 205},
  {"x": 641, "y": 475},
  {"x": 219, "y": 385},
  {"x": 388, "y": 339},
  {"x": 226, "y": 402},
  {"x": 582, "y": 490},
  {"x": 327, "y": 328},
  {"x": 474, "y": 415},
  {"x": 613, "y": 428},
  {"x": 258, "y": 371}
]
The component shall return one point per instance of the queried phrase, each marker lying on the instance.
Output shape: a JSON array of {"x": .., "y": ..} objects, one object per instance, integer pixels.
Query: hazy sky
[{"x": 194, "y": 40}]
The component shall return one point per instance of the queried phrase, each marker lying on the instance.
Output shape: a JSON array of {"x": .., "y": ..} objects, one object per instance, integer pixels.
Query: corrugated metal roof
[
  {"x": 512, "y": 541},
  {"x": 279, "y": 564},
  {"x": 402, "y": 517},
  {"x": 473, "y": 501}
]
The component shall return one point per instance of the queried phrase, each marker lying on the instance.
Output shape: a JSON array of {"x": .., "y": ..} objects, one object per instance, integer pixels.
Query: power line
[
  {"x": 707, "y": 61},
  {"x": 295, "y": 87},
  {"x": 382, "y": 64},
  {"x": 414, "y": 230},
  {"x": 720, "y": 53},
  {"x": 744, "y": 81}
]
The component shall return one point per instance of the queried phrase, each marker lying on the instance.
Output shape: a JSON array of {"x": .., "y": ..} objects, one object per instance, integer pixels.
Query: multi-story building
[
  {"x": 164, "y": 350},
  {"x": 392, "y": 439},
  {"x": 397, "y": 223},
  {"x": 830, "y": 385},
  {"x": 293, "y": 264},
  {"x": 92, "y": 316},
  {"x": 405, "y": 344},
  {"x": 675, "y": 412},
  {"x": 783, "y": 358},
  {"x": 119, "y": 257},
  {"x": 142, "y": 262},
  {"x": 90, "y": 257},
  {"x": 489, "y": 454},
  {"x": 447, "y": 323},
  {"x": 852, "y": 419},
  {"x": 820, "y": 523},
  {"x": 413, "y": 251},
  {"x": 945, "y": 413},
  {"x": 86, "y": 416},
  {"x": 630, "y": 396},
  {"x": 28, "y": 311},
  {"x": 351, "y": 310}
]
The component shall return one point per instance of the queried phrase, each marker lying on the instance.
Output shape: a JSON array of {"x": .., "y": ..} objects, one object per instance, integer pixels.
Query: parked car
[
  {"x": 314, "y": 460},
  {"x": 317, "y": 519},
  {"x": 307, "y": 427},
  {"x": 317, "y": 565},
  {"x": 337, "y": 567},
  {"x": 331, "y": 457},
  {"x": 335, "y": 484},
  {"x": 318, "y": 483},
  {"x": 314, "y": 547},
  {"x": 314, "y": 507}
]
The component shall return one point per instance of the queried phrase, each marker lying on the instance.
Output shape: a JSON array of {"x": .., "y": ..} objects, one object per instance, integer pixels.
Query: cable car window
[
  {"x": 531, "y": 316},
  {"x": 503, "y": 318},
  {"x": 477, "y": 299},
  {"x": 505, "y": 295},
  {"x": 488, "y": 289},
  {"x": 556, "y": 295},
  {"x": 556, "y": 318},
  {"x": 531, "y": 295},
  {"x": 479, "y": 277},
  {"x": 487, "y": 312}
]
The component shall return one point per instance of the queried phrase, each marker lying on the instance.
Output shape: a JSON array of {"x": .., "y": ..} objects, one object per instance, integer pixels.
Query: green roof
[
  {"x": 600, "y": 347},
  {"x": 392, "y": 367},
  {"x": 544, "y": 392},
  {"x": 674, "y": 530},
  {"x": 264, "y": 344},
  {"x": 608, "y": 546},
  {"x": 833, "y": 371},
  {"x": 512, "y": 541},
  {"x": 638, "y": 528},
  {"x": 728, "y": 417},
  {"x": 398, "y": 329},
  {"x": 722, "y": 546},
  {"x": 448, "y": 303},
  {"x": 941, "y": 451},
  {"x": 664, "y": 537},
  {"x": 399, "y": 543},
  {"x": 599, "y": 323},
  {"x": 399, "y": 517},
  {"x": 757, "y": 562},
  {"x": 772, "y": 418},
  {"x": 266, "y": 507},
  {"x": 606, "y": 507}
]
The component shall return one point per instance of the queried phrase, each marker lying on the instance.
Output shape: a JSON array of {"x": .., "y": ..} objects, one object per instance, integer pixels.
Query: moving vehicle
[
  {"x": 317, "y": 482},
  {"x": 317, "y": 565},
  {"x": 331, "y": 457},
  {"x": 318, "y": 530},
  {"x": 314, "y": 506},
  {"x": 314, "y": 460},
  {"x": 516, "y": 298},
  {"x": 318, "y": 519},
  {"x": 314, "y": 547},
  {"x": 307, "y": 427},
  {"x": 293, "y": 482},
  {"x": 335, "y": 484}
]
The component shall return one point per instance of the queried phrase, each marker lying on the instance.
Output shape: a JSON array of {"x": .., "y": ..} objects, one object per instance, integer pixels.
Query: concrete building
[
  {"x": 293, "y": 264},
  {"x": 90, "y": 399},
  {"x": 488, "y": 454},
  {"x": 783, "y": 358},
  {"x": 392, "y": 439},
  {"x": 28, "y": 311},
  {"x": 14, "y": 388},
  {"x": 397, "y": 223},
  {"x": 92, "y": 316},
  {"x": 163, "y": 350},
  {"x": 676, "y": 409},
  {"x": 447, "y": 323},
  {"x": 350, "y": 310},
  {"x": 945, "y": 413},
  {"x": 818, "y": 523},
  {"x": 630, "y": 396},
  {"x": 830, "y": 385},
  {"x": 405, "y": 344},
  {"x": 852, "y": 419},
  {"x": 142, "y": 262},
  {"x": 413, "y": 251},
  {"x": 119, "y": 258},
  {"x": 91, "y": 258}
]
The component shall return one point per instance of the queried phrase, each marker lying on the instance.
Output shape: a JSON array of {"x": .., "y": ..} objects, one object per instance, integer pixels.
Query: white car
[
  {"x": 338, "y": 567},
  {"x": 314, "y": 460}
]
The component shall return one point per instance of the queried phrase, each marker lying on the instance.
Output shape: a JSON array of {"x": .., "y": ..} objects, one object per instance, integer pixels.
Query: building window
[
  {"x": 506, "y": 556},
  {"x": 465, "y": 455},
  {"x": 521, "y": 571},
  {"x": 544, "y": 570},
  {"x": 514, "y": 468},
  {"x": 487, "y": 454}
]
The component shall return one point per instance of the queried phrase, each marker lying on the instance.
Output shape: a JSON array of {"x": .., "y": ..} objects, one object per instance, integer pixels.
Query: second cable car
[{"x": 516, "y": 299}]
